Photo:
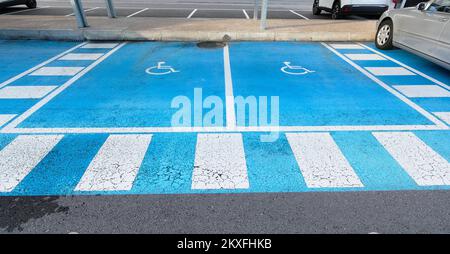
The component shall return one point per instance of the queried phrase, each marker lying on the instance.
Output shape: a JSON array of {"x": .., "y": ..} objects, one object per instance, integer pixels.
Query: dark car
[{"x": 29, "y": 3}]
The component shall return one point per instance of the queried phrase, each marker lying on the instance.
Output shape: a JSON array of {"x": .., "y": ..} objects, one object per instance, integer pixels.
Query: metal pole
[
  {"x": 110, "y": 9},
  {"x": 264, "y": 14},
  {"x": 79, "y": 13},
  {"x": 255, "y": 10}
]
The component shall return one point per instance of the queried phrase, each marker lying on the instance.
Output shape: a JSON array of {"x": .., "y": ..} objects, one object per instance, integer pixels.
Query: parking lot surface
[{"x": 98, "y": 118}]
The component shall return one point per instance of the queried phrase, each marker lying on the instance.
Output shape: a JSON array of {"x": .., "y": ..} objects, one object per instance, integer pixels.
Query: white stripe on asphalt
[
  {"x": 25, "y": 92},
  {"x": 99, "y": 46},
  {"x": 136, "y": 13},
  {"x": 116, "y": 165},
  {"x": 423, "y": 91},
  {"x": 192, "y": 13},
  {"x": 298, "y": 14},
  {"x": 220, "y": 162},
  {"x": 443, "y": 115},
  {"x": 345, "y": 46},
  {"x": 321, "y": 161},
  {"x": 421, "y": 162},
  {"x": 20, "y": 157},
  {"x": 4, "y": 118},
  {"x": 57, "y": 71},
  {"x": 365, "y": 57},
  {"x": 81, "y": 56},
  {"x": 246, "y": 14},
  {"x": 389, "y": 71},
  {"x": 229, "y": 96},
  {"x": 88, "y": 10}
]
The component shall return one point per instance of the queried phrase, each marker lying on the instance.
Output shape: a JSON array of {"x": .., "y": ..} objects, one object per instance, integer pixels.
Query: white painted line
[
  {"x": 346, "y": 46},
  {"x": 390, "y": 71},
  {"x": 14, "y": 12},
  {"x": 321, "y": 161},
  {"x": 9, "y": 81},
  {"x": 4, "y": 118},
  {"x": 229, "y": 96},
  {"x": 136, "y": 13},
  {"x": 298, "y": 14},
  {"x": 443, "y": 115},
  {"x": 220, "y": 162},
  {"x": 88, "y": 10},
  {"x": 99, "y": 45},
  {"x": 123, "y": 130},
  {"x": 192, "y": 13},
  {"x": 246, "y": 14},
  {"x": 421, "y": 162},
  {"x": 81, "y": 56},
  {"x": 20, "y": 157},
  {"x": 57, "y": 71},
  {"x": 58, "y": 90},
  {"x": 408, "y": 67},
  {"x": 403, "y": 98},
  {"x": 423, "y": 91},
  {"x": 116, "y": 164},
  {"x": 365, "y": 57},
  {"x": 25, "y": 92}
]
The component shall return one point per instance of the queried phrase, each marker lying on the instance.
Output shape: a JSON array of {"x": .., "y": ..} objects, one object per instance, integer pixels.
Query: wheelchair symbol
[
  {"x": 160, "y": 69},
  {"x": 294, "y": 70}
]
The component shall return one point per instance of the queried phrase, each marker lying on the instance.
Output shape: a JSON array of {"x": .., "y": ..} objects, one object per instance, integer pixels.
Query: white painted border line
[
  {"x": 124, "y": 130},
  {"x": 116, "y": 164},
  {"x": 191, "y": 14},
  {"x": 442, "y": 115},
  {"x": 88, "y": 10},
  {"x": 9, "y": 81},
  {"x": 229, "y": 96},
  {"x": 136, "y": 13},
  {"x": 422, "y": 163},
  {"x": 397, "y": 94},
  {"x": 81, "y": 56},
  {"x": 298, "y": 14},
  {"x": 423, "y": 91},
  {"x": 99, "y": 45},
  {"x": 220, "y": 162},
  {"x": 321, "y": 161},
  {"x": 345, "y": 46},
  {"x": 25, "y": 92},
  {"x": 4, "y": 118},
  {"x": 57, "y": 71},
  {"x": 19, "y": 157},
  {"x": 365, "y": 57},
  {"x": 407, "y": 67},
  {"x": 57, "y": 91},
  {"x": 246, "y": 14},
  {"x": 390, "y": 71}
]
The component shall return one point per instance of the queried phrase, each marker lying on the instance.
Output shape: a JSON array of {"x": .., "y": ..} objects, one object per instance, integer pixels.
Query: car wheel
[
  {"x": 316, "y": 10},
  {"x": 336, "y": 10},
  {"x": 31, "y": 4},
  {"x": 384, "y": 36}
]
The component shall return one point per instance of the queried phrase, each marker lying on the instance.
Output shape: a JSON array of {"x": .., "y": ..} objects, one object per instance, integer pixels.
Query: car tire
[
  {"x": 385, "y": 32},
  {"x": 336, "y": 12},
  {"x": 31, "y": 4},
  {"x": 316, "y": 10}
]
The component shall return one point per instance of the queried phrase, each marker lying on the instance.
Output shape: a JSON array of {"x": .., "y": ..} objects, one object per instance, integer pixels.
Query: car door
[{"x": 444, "y": 52}]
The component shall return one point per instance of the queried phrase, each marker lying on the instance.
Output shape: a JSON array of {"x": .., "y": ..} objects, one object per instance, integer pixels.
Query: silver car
[{"x": 423, "y": 30}]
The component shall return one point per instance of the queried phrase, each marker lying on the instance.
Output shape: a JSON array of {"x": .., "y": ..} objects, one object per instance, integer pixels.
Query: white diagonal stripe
[
  {"x": 423, "y": 91},
  {"x": 321, "y": 161},
  {"x": 57, "y": 71},
  {"x": 99, "y": 46},
  {"x": 421, "y": 162},
  {"x": 20, "y": 157},
  {"x": 390, "y": 71},
  {"x": 345, "y": 46},
  {"x": 220, "y": 162},
  {"x": 81, "y": 56},
  {"x": 365, "y": 57},
  {"x": 4, "y": 118},
  {"x": 443, "y": 115},
  {"x": 116, "y": 164},
  {"x": 25, "y": 92}
]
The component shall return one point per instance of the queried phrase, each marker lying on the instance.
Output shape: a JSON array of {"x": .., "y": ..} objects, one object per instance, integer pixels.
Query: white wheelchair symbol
[
  {"x": 294, "y": 70},
  {"x": 160, "y": 69}
]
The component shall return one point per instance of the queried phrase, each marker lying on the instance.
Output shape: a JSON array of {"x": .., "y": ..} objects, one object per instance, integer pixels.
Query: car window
[{"x": 440, "y": 6}]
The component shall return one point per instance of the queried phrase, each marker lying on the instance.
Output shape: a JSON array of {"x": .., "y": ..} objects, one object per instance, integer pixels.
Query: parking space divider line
[
  {"x": 397, "y": 94},
  {"x": 407, "y": 67},
  {"x": 192, "y": 13},
  {"x": 136, "y": 13},
  {"x": 88, "y": 10},
  {"x": 245, "y": 13},
  {"x": 229, "y": 96},
  {"x": 57, "y": 91},
  {"x": 298, "y": 14}
]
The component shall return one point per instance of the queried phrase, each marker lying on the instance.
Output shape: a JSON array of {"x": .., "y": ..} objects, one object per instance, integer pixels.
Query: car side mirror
[{"x": 421, "y": 6}]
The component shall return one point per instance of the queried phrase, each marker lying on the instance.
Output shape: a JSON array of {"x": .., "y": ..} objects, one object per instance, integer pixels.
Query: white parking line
[
  {"x": 4, "y": 118},
  {"x": 298, "y": 14},
  {"x": 116, "y": 164},
  {"x": 365, "y": 57},
  {"x": 23, "y": 154},
  {"x": 346, "y": 46},
  {"x": 57, "y": 71},
  {"x": 444, "y": 116},
  {"x": 192, "y": 13},
  {"x": 136, "y": 13},
  {"x": 421, "y": 162},
  {"x": 220, "y": 162},
  {"x": 321, "y": 161},
  {"x": 99, "y": 45},
  {"x": 25, "y": 92},
  {"x": 81, "y": 56},
  {"x": 423, "y": 91},
  {"x": 245, "y": 13},
  {"x": 88, "y": 10},
  {"x": 390, "y": 71},
  {"x": 229, "y": 96}
]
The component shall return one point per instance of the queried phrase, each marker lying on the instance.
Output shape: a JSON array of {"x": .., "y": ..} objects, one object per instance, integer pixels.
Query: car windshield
[{"x": 440, "y": 6}]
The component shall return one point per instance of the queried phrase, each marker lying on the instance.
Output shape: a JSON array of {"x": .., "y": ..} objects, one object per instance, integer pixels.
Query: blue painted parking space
[{"x": 98, "y": 118}]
